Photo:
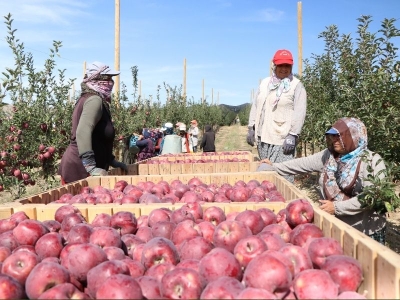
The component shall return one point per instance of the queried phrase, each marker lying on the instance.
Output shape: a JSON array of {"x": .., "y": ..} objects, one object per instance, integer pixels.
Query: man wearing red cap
[{"x": 278, "y": 111}]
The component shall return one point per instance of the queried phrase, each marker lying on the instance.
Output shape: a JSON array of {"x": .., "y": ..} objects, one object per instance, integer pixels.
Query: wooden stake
[
  {"x": 116, "y": 46},
  {"x": 212, "y": 96},
  {"x": 202, "y": 98},
  {"x": 184, "y": 79},
  {"x": 300, "y": 37},
  {"x": 84, "y": 69}
]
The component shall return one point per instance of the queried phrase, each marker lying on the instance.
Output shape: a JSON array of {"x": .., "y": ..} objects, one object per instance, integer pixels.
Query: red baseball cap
[{"x": 283, "y": 57}]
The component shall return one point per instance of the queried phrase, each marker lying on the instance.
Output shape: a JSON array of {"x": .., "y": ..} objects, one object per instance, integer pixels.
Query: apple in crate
[
  {"x": 19, "y": 264},
  {"x": 159, "y": 270},
  {"x": 195, "y": 248},
  {"x": 214, "y": 215},
  {"x": 27, "y": 232},
  {"x": 10, "y": 288},
  {"x": 124, "y": 222},
  {"x": 299, "y": 211},
  {"x": 224, "y": 287},
  {"x": 252, "y": 219},
  {"x": 321, "y": 248},
  {"x": 301, "y": 233},
  {"x": 163, "y": 229},
  {"x": 159, "y": 250},
  {"x": 105, "y": 236},
  {"x": 219, "y": 262},
  {"x": 228, "y": 233},
  {"x": 184, "y": 230},
  {"x": 254, "y": 293},
  {"x": 44, "y": 276},
  {"x": 119, "y": 286},
  {"x": 181, "y": 283},
  {"x": 298, "y": 256},
  {"x": 248, "y": 248},
  {"x": 64, "y": 291},
  {"x": 322, "y": 287},
  {"x": 151, "y": 287}
]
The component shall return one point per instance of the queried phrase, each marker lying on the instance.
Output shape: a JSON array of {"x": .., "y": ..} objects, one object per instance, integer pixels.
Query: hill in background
[{"x": 235, "y": 109}]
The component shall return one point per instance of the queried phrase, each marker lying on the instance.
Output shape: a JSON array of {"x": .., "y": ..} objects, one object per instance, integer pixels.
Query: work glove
[
  {"x": 251, "y": 138},
  {"x": 265, "y": 167},
  {"x": 118, "y": 164},
  {"x": 89, "y": 163},
  {"x": 289, "y": 144}
]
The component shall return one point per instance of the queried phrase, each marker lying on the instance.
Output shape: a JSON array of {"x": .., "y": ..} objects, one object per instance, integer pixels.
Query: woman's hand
[
  {"x": 267, "y": 161},
  {"x": 327, "y": 206}
]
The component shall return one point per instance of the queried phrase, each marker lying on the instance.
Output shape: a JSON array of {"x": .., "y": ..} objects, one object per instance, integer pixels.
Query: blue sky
[{"x": 226, "y": 43}]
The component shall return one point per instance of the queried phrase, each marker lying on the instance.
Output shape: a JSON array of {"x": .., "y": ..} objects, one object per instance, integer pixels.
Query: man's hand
[
  {"x": 98, "y": 172},
  {"x": 251, "y": 138},
  {"x": 118, "y": 164},
  {"x": 289, "y": 144}
]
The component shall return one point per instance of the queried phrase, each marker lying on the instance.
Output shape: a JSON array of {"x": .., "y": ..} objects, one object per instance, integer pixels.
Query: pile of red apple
[
  {"x": 187, "y": 160},
  {"x": 188, "y": 253},
  {"x": 207, "y": 153},
  {"x": 163, "y": 192}
]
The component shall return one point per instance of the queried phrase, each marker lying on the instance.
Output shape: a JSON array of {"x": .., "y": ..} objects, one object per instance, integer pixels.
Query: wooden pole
[
  {"x": 184, "y": 79},
  {"x": 300, "y": 37},
  {"x": 212, "y": 96},
  {"x": 218, "y": 98},
  {"x": 84, "y": 69},
  {"x": 116, "y": 46},
  {"x": 203, "y": 100},
  {"x": 140, "y": 89}
]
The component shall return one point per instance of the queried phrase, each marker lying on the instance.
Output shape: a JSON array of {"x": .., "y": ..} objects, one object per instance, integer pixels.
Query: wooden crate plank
[
  {"x": 5, "y": 212},
  {"x": 244, "y": 166},
  {"x": 274, "y": 206},
  {"x": 176, "y": 169},
  {"x": 209, "y": 167},
  {"x": 154, "y": 169},
  {"x": 187, "y": 168},
  {"x": 366, "y": 255},
  {"x": 199, "y": 168},
  {"x": 28, "y": 209},
  {"x": 133, "y": 169},
  {"x": 350, "y": 243},
  {"x": 233, "y": 167},
  {"x": 387, "y": 274},
  {"x": 221, "y": 167},
  {"x": 165, "y": 169},
  {"x": 146, "y": 209},
  {"x": 143, "y": 169}
]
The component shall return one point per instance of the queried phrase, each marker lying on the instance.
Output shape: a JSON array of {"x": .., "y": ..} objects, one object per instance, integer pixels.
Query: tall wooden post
[
  {"x": 212, "y": 96},
  {"x": 84, "y": 69},
  {"x": 140, "y": 89},
  {"x": 218, "y": 98},
  {"x": 300, "y": 37},
  {"x": 203, "y": 100},
  {"x": 116, "y": 46},
  {"x": 184, "y": 79}
]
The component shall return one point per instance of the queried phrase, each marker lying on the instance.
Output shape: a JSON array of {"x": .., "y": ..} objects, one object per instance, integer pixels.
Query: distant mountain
[{"x": 236, "y": 109}]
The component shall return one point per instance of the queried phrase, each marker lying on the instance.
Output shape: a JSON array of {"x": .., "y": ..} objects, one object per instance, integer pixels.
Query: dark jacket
[
  {"x": 208, "y": 141},
  {"x": 71, "y": 167}
]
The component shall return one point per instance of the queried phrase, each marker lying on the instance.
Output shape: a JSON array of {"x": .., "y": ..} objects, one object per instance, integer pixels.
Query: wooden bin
[
  {"x": 287, "y": 189},
  {"x": 380, "y": 265}
]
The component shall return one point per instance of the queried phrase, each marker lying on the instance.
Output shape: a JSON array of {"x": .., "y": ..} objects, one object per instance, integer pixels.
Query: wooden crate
[
  {"x": 380, "y": 265},
  {"x": 287, "y": 189}
]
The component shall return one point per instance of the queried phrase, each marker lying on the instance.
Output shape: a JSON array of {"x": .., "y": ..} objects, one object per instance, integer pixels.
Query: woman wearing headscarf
[
  {"x": 343, "y": 166},
  {"x": 92, "y": 136},
  {"x": 278, "y": 111},
  {"x": 208, "y": 140},
  {"x": 146, "y": 145},
  {"x": 193, "y": 134}
]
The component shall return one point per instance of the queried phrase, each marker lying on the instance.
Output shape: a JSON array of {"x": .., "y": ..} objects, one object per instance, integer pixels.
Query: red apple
[
  {"x": 43, "y": 127},
  {"x": 228, "y": 233},
  {"x": 27, "y": 232},
  {"x": 345, "y": 271},
  {"x": 119, "y": 286},
  {"x": 252, "y": 219},
  {"x": 181, "y": 283},
  {"x": 224, "y": 287},
  {"x": 207, "y": 230},
  {"x": 320, "y": 248},
  {"x": 282, "y": 231},
  {"x": 299, "y": 211},
  {"x": 130, "y": 242},
  {"x": 322, "y": 287},
  {"x": 219, "y": 262},
  {"x": 163, "y": 229},
  {"x": 64, "y": 291},
  {"x": 150, "y": 287},
  {"x": 194, "y": 208},
  {"x": 298, "y": 256},
  {"x": 101, "y": 219},
  {"x": 158, "y": 271},
  {"x": 10, "y": 288},
  {"x": 255, "y": 293},
  {"x": 124, "y": 221},
  {"x": 144, "y": 233},
  {"x": 159, "y": 215},
  {"x": 189, "y": 263},
  {"x": 267, "y": 272},
  {"x": 19, "y": 216},
  {"x": 98, "y": 275},
  {"x": 120, "y": 185},
  {"x": 179, "y": 215},
  {"x": 272, "y": 240},
  {"x": 64, "y": 210},
  {"x": 71, "y": 220},
  {"x": 214, "y": 214},
  {"x": 49, "y": 245},
  {"x": 82, "y": 258},
  {"x": 301, "y": 233},
  {"x": 159, "y": 250},
  {"x": 105, "y": 236},
  {"x": 44, "y": 276},
  {"x": 7, "y": 224},
  {"x": 351, "y": 295},
  {"x": 19, "y": 264},
  {"x": 136, "y": 269},
  {"x": 195, "y": 248},
  {"x": 248, "y": 248},
  {"x": 79, "y": 234},
  {"x": 4, "y": 253},
  {"x": 184, "y": 230}
]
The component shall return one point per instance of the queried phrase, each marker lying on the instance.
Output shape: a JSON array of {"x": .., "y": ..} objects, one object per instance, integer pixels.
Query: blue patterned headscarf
[
  {"x": 280, "y": 85},
  {"x": 341, "y": 171}
]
